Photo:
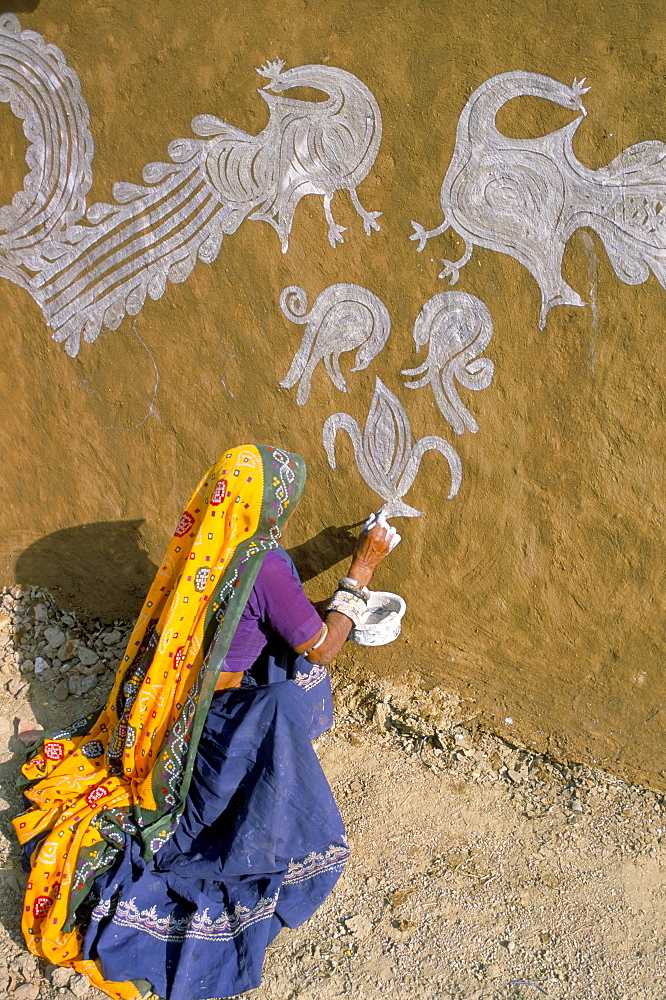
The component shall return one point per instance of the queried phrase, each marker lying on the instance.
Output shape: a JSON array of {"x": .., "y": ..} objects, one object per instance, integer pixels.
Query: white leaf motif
[{"x": 385, "y": 456}]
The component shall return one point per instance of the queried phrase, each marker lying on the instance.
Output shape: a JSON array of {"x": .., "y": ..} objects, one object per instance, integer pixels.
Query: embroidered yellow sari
[{"x": 127, "y": 768}]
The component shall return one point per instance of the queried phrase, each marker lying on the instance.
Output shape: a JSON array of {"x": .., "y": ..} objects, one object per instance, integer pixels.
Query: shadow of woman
[
  {"x": 324, "y": 550},
  {"x": 99, "y": 569},
  {"x": 20, "y": 6},
  {"x": 12, "y": 876},
  {"x": 102, "y": 569}
]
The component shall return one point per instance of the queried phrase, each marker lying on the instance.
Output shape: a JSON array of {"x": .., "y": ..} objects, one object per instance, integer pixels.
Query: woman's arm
[{"x": 371, "y": 547}]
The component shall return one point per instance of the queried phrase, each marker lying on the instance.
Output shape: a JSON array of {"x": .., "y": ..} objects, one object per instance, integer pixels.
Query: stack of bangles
[{"x": 350, "y": 600}]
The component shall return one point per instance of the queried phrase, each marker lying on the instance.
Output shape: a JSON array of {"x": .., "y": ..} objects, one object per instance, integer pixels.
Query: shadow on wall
[
  {"x": 324, "y": 550},
  {"x": 99, "y": 569},
  {"x": 103, "y": 571}
]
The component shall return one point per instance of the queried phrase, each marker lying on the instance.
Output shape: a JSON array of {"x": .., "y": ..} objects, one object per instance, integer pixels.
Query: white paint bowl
[{"x": 382, "y": 620}]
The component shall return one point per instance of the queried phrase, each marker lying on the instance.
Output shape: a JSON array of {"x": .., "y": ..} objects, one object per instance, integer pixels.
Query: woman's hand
[
  {"x": 371, "y": 547},
  {"x": 373, "y": 544}
]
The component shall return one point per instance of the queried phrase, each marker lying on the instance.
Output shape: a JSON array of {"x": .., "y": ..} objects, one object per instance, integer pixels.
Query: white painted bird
[
  {"x": 525, "y": 197},
  {"x": 307, "y": 147}
]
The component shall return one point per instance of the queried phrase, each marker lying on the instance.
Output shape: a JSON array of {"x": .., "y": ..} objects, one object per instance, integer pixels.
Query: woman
[{"x": 172, "y": 834}]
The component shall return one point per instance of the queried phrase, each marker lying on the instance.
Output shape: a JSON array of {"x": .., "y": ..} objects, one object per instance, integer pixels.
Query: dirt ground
[{"x": 479, "y": 871}]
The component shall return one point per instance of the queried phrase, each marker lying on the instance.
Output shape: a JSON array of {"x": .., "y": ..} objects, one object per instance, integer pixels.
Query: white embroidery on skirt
[
  {"x": 316, "y": 676},
  {"x": 197, "y": 925},
  {"x": 314, "y": 864},
  {"x": 228, "y": 925}
]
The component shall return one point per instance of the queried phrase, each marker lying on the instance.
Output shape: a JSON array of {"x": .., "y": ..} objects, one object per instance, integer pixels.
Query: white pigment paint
[
  {"x": 344, "y": 317},
  {"x": 457, "y": 328},
  {"x": 525, "y": 197},
  {"x": 87, "y": 267},
  {"x": 386, "y": 458}
]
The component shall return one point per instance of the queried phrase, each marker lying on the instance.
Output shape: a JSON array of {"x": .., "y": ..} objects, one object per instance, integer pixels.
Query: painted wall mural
[
  {"x": 457, "y": 328},
  {"x": 343, "y": 318},
  {"x": 87, "y": 267},
  {"x": 526, "y": 197},
  {"x": 386, "y": 458}
]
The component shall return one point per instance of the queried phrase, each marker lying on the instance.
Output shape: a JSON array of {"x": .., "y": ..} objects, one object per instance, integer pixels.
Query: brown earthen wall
[{"x": 538, "y": 591}]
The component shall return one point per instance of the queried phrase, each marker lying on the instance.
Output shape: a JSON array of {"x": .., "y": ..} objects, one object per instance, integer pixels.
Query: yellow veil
[{"x": 127, "y": 768}]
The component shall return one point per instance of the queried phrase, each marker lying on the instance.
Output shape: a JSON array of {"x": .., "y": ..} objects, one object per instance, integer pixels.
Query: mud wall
[{"x": 537, "y": 590}]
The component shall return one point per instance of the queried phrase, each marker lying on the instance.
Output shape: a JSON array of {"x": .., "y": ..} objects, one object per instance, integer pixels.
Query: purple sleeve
[{"x": 282, "y": 602}]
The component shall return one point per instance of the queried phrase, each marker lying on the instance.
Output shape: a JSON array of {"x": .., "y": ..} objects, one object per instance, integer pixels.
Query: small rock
[
  {"x": 54, "y": 636},
  {"x": 111, "y": 638},
  {"x": 61, "y": 976},
  {"x": 28, "y": 723},
  {"x": 41, "y": 664},
  {"x": 79, "y": 685},
  {"x": 26, "y": 991},
  {"x": 61, "y": 690},
  {"x": 4, "y": 639},
  {"x": 41, "y": 613},
  {"x": 32, "y": 736},
  {"x": 79, "y": 985},
  {"x": 68, "y": 620},
  {"x": 17, "y": 686},
  {"x": 68, "y": 650},
  {"x": 381, "y": 716},
  {"x": 359, "y": 926},
  {"x": 91, "y": 669},
  {"x": 87, "y": 656},
  {"x": 28, "y": 963}
]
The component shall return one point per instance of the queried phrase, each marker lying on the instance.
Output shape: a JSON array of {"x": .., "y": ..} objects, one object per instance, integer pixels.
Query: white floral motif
[
  {"x": 385, "y": 456},
  {"x": 197, "y": 925},
  {"x": 314, "y": 864},
  {"x": 457, "y": 326},
  {"x": 101, "y": 910}
]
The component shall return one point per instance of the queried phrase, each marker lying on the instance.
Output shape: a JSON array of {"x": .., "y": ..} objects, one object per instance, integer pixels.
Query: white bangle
[{"x": 324, "y": 633}]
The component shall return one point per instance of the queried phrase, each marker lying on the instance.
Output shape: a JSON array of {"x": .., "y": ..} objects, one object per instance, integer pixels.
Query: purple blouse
[{"x": 277, "y": 603}]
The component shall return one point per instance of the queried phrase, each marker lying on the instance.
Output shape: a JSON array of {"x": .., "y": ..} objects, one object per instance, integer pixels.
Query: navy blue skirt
[{"x": 260, "y": 845}]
